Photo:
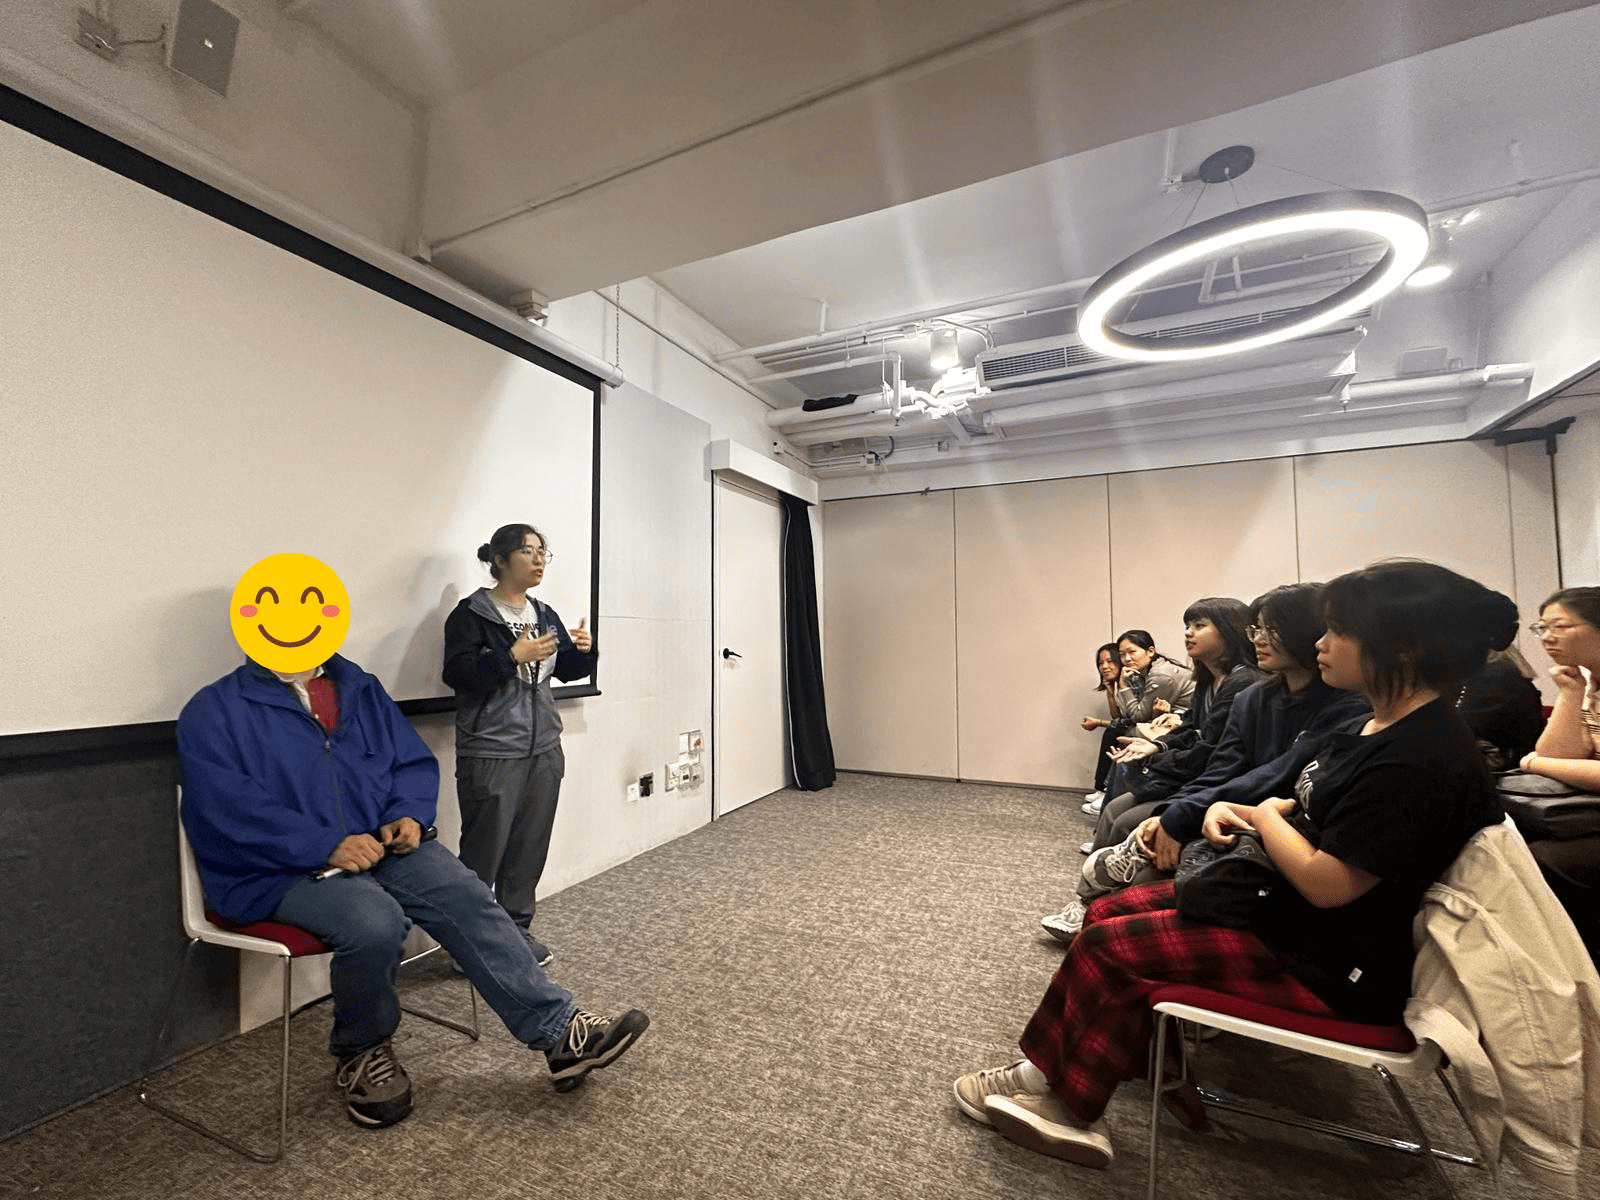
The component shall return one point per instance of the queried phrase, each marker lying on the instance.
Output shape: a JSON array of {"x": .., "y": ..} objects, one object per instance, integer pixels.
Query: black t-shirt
[{"x": 1400, "y": 804}]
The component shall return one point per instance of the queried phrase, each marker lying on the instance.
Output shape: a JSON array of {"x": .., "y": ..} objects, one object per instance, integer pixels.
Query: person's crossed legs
[{"x": 364, "y": 919}]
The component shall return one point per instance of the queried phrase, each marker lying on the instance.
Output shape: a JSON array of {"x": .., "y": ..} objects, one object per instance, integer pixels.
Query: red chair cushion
[
  {"x": 299, "y": 942},
  {"x": 1373, "y": 1037}
]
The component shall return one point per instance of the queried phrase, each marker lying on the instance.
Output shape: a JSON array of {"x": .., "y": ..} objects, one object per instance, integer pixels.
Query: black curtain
[{"x": 811, "y": 747}]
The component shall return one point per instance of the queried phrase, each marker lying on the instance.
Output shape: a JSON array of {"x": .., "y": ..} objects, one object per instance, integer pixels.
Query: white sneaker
[
  {"x": 972, "y": 1090},
  {"x": 1086, "y": 848},
  {"x": 1066, "y": 924},
  {"x": 1093, "y": 803},
  {"x": 1042, "y": 1123}
]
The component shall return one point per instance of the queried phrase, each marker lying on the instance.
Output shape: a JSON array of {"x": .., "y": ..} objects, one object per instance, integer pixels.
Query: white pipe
[
  {"x": 821, "y": 368},
  {"x": 1283, "y": 375},
  {"x": 1382, "y": 389},
  {"x": 51, "y": 89},
  {"x": 875, "y": 330},
  {"x": 799, "y": 418}
]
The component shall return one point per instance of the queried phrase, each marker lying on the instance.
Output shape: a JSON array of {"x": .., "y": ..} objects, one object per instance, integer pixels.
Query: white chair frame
[
  {"x": 1390, "y": 1066},
  {"x": 200, "y": 929}
]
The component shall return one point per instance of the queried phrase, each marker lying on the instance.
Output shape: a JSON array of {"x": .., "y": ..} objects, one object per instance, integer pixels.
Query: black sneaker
[
  {"x": 592, "y": 1042},
  {"x": 541, "y": 952},
  {"x": 377, "y": 1091}
]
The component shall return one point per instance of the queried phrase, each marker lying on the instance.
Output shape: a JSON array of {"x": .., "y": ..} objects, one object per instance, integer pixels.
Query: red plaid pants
[{"x": 1092, "y": 1029}]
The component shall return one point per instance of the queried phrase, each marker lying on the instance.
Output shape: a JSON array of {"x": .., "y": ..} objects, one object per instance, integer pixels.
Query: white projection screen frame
[{"x": 190, "y": 385}]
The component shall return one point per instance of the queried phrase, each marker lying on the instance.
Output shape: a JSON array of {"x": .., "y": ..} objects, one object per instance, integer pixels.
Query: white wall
[
  {"x": 298, "y": 117},
  {"x": 1545, "y": 293},
  {"x": 1577, "y": 469}
]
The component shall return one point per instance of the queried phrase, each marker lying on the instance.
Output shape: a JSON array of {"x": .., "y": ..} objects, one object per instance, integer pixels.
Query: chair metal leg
[
  {"x": 188, "y": 1122},
  {"x": 473, "y": 1032},
  {"x": 1421, "y": 1146},
  {"x": 1157, "y": 1085}
]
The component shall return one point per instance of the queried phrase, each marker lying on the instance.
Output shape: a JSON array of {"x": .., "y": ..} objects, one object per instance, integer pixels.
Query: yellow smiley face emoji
[{"x": 290, "y": 612}]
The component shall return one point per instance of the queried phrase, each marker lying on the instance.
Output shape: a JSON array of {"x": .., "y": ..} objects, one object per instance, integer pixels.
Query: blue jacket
[
  {"x": 1270, "y": 736},
  {"x": 267, "y": 796}
]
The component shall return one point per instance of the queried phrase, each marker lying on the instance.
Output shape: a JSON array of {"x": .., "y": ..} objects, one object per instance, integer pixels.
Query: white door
[{"x": 749, "y": 743}]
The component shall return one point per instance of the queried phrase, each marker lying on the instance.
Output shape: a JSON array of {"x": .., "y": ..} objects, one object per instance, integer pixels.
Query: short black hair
[
  {"x": 1418, "y": 624},
  {"x": 1294, "y": 614}
]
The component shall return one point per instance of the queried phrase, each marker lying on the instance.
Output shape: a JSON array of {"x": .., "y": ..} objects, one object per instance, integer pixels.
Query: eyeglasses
[
  {"x": 536, "y": 554},
  {"x": 1261, "y": 633},
  {"x": 1540, "y": 628}
]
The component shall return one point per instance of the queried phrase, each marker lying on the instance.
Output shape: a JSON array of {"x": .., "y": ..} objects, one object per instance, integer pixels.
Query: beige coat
[{"x": 1503, "y": 985}]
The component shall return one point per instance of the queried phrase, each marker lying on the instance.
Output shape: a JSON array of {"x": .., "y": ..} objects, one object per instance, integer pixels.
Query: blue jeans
[{"x": 365, "y": 918}]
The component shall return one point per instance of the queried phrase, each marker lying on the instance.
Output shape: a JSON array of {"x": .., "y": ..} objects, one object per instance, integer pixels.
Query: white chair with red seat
[
  {"x": 284, "y": 942},
  {"x": 1389, "y": 1051}
]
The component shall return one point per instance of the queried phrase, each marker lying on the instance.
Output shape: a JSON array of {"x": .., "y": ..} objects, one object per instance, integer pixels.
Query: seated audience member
[
  {"x": 1279, "y": 724},
  {"x": 1386, "y": 805},
  {"x": 1503, "y": 709},
  {"x": 306, "y": 796},
  {"x": 1150, "y": 684},
  {"x": 1271, "y": 732},
  {"x": 1569, "y": 749},
  {"x": 1215, "y": 638},
  {"x": 1109, "y": 667}
]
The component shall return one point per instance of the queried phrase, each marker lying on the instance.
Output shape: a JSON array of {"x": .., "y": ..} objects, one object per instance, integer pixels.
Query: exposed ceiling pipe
[
  {"x": 1384, "y": 389},
  {"x": 796, "y": 372},
  {"x": 1004, "y": 424},
  {"x": 1284, "y": 376},
  {"x": 878, "y": 330},
  {"x": 1523, "y": 188}
]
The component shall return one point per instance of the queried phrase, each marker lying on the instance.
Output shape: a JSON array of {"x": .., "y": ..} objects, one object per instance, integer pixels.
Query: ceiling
[{"x": 825, "y": 181}]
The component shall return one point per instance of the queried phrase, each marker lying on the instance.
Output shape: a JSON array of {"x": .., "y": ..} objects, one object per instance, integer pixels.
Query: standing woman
[
  {"x": 501, "y": 647},
  {"x": 1383, "y": 809}
]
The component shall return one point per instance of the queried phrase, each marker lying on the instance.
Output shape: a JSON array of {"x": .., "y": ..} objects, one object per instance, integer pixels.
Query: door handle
[{"x": 726, "y": 653}]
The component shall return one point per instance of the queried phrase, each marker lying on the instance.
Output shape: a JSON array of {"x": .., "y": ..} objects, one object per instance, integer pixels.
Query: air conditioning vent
[
  {"x": 1064, "y": 357},
  {"x": 1047, "y": 363}
]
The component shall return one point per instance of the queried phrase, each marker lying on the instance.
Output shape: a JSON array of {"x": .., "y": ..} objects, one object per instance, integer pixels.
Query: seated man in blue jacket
[{"x": 290, "y": 773}]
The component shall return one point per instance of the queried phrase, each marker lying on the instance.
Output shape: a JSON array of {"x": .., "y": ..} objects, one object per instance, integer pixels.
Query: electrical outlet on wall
[
  {"x": 669, "y": 777},
  {"x": 633, "y": 792}
]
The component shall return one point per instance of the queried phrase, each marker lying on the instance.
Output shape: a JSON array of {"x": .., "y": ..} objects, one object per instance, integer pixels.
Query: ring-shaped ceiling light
[{"x": 1398, "y": 221}]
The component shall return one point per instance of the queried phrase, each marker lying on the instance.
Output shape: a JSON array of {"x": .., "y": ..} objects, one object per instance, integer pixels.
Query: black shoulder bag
[{"x": 1225, "y": 885}]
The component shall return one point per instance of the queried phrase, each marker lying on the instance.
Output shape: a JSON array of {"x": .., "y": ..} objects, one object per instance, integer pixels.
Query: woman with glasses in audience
[
  {"x": 1269, "y": 733},
  {"x": 501, "y": 649},
  {"x": 1382, "y": 810},
  {"x": 1569, "y": 749}
]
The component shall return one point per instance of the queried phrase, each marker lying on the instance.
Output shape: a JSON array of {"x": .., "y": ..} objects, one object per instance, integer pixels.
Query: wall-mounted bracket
[{"x": 1545, "y": 433}]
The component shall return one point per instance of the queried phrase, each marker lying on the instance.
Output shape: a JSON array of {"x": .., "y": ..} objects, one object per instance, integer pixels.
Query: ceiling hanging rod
[{"x": 874, "y": 330}]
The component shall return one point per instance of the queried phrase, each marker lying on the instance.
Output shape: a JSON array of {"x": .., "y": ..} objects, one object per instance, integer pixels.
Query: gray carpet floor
[{"x": 818, "y": 968}]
